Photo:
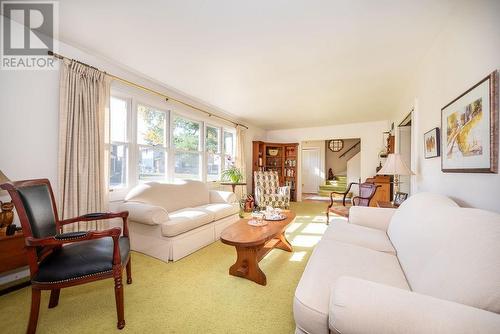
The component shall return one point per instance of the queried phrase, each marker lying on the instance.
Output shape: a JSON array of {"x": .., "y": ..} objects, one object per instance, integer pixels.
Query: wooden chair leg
[
  {"x": 119, "y": 301},
  {"x": 35, "y": 309},
  {"x": 54, "y": 298},
  {"x": 327, "y": 216},
  {"x": 129, "y": 271}
]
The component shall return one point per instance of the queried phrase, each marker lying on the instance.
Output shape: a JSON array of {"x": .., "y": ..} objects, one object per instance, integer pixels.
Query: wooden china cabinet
[{"x": 279, "y": 157}]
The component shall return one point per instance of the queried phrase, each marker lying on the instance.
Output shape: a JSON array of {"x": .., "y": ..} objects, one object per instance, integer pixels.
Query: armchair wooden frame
[
  {"x": 353, "y": 199},
  {"x": 39, "y": 248}
]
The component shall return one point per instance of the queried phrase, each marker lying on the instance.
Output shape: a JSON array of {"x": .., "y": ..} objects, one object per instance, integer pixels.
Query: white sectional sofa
[
  {"x": 170, "y": 221},
  {"x": 427, "y": 267}
]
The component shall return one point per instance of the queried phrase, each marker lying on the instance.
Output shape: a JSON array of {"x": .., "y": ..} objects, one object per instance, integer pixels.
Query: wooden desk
[
  {"x": 384, "y": 192},
  {"x": 12, "y": 252}
]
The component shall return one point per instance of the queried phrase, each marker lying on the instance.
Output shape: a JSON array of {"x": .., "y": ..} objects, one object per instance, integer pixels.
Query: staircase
[{"x": 339, "y": 185}]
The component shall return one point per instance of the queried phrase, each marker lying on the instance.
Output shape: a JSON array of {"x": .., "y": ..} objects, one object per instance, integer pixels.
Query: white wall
[
  {"x": 354, "y": 170},
  {"x": 466, "y": 51},
  {"x": 370, "y": 133},
  {"x": 29, "y": 108}
]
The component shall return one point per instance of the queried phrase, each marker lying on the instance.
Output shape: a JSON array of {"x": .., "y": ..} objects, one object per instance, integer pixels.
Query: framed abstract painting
[
  {"x": 431, "y": 144},
  {"x": 469, "y": 124}
]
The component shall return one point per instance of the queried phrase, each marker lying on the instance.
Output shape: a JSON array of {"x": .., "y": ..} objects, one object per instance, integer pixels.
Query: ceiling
[{"x": 275, "y": 64}]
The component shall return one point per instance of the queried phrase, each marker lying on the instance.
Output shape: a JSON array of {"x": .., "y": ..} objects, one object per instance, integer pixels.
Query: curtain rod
[{"x": 149, "y": 90}]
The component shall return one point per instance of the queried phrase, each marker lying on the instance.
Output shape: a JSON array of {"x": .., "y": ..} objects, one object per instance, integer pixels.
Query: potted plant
[{"x": 232, "y": 175}]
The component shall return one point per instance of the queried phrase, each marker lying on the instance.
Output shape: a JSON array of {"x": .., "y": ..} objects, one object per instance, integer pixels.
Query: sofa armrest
[
  {"x": 218, "y": 196},
  {"x": 378, "y": 218},
  {"x": 145, "y": 213},
  {"x": 361, "y": 306}
]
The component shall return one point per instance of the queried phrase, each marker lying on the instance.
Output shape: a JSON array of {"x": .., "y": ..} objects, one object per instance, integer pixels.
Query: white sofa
[
  {"x": 170, "y": 221},
  {"x": 427, "y": 267}
]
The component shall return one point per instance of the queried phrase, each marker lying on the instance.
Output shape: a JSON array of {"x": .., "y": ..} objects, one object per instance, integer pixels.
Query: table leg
[
  {"x": 283, "y": 244},
  {"x": 247, "y": 265}
]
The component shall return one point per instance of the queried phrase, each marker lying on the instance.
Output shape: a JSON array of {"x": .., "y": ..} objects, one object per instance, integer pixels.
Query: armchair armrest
[
  {"x": 64, "y": 238},
  {"x": 98, "y": 216},
  {"x": 219, "y": 196},
  {"x": 378, "y": 218},
  {"x": 145, "y": 213},
  {"x": 344, "y": 194},
  {"x": 71, "y": 235},
  {"x": 94, "y": 216},
  {"x": 361, "y": 306}
]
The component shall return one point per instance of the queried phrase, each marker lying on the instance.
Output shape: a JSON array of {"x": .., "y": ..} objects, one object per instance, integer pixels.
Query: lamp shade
[
  {"x": 395, "y": 166},
  {"x": 3, "y": 179}
]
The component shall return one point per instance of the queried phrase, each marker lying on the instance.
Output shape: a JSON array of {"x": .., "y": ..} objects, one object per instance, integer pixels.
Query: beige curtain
[
  {"x": 240, "y": 157},
  {"x": 84, "y": 92}
]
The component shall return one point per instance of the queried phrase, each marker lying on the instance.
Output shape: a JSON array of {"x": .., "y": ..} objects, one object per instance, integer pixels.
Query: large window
[
  {"x": 213, "y": 152},
  {"x": 187, "y": 143},
  {"x": 119, "y": 142},
  {"x": 149, "y": 143},
  {"x": 229, "y": 148},
  {"x": 152, "y": 143}
]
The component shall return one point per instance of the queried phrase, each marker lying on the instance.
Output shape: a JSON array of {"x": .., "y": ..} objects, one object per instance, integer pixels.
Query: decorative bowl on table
[
  {"x": 273, "y": 214},
  {"x": 257, "y": 219}
]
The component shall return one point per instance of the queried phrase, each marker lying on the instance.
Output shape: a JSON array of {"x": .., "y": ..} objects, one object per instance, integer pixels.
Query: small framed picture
[
  {"x": 399, "y": 198},
  {"x": 431, "y": 144}
]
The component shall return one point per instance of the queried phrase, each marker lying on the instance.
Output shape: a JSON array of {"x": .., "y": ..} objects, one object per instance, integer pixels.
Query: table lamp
[
  {"x": 6, "y": 213},
  {"x": 395, "y": 166}
]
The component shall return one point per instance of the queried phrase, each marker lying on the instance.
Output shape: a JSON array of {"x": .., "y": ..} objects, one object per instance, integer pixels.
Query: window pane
[
  {"x": 151, "y": 164},
  {"x": 212, "y": 141},
  {"x": 186, "y": 134},
  {"x": 213, "y": 167},
  {"x": 150, "y": 126},
  {"x": 229, "y": 148},
  {"x": 187, "y": 165},
  {"x": 118, "y": 166},
  {"x": 118, "y": 119}
]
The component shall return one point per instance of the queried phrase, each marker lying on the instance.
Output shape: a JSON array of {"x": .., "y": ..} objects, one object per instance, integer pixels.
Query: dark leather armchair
[
  {"x": 366, "y": 192},
  {"x": 85, "y": 257}
]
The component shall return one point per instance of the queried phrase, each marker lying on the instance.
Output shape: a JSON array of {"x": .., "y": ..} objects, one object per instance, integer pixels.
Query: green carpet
[{"x": 193, "y": 295}]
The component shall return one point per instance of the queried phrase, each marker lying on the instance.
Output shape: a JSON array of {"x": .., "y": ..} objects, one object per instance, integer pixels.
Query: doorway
[
  {"x": 311, "y": 170},
  {"x": 404, "y": 149}
]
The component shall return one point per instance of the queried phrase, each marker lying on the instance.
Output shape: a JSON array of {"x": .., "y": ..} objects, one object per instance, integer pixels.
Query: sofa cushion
[
  {"x": 466, "y": 267},
  {"x": 330, "y": 260},
  {"x": 171, "y": 196},
  {"x": 185, "y": 220},
  {"x": 413, "y": 229},
  {"x": 449, "y": 252},
  {"x": 343, "y": 231},
  {"x": 221, "y": 210}
]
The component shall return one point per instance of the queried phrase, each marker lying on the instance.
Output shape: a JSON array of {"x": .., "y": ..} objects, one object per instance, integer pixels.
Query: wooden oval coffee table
[{"x": 252, "y": 243}]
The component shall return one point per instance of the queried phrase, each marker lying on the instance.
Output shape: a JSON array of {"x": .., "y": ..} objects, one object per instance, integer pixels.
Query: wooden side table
[
  {"x": 386, "y": 204},
  {"x": 233, "y": 185},
  {"x": 12, "y": 252}
]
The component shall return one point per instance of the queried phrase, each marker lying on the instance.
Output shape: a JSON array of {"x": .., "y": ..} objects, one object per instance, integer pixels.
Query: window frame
[{"x": 122, "y": 190}]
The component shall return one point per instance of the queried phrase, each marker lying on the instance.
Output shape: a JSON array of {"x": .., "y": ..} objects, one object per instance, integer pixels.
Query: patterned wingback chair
[{"x": 269, "y": 192}]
